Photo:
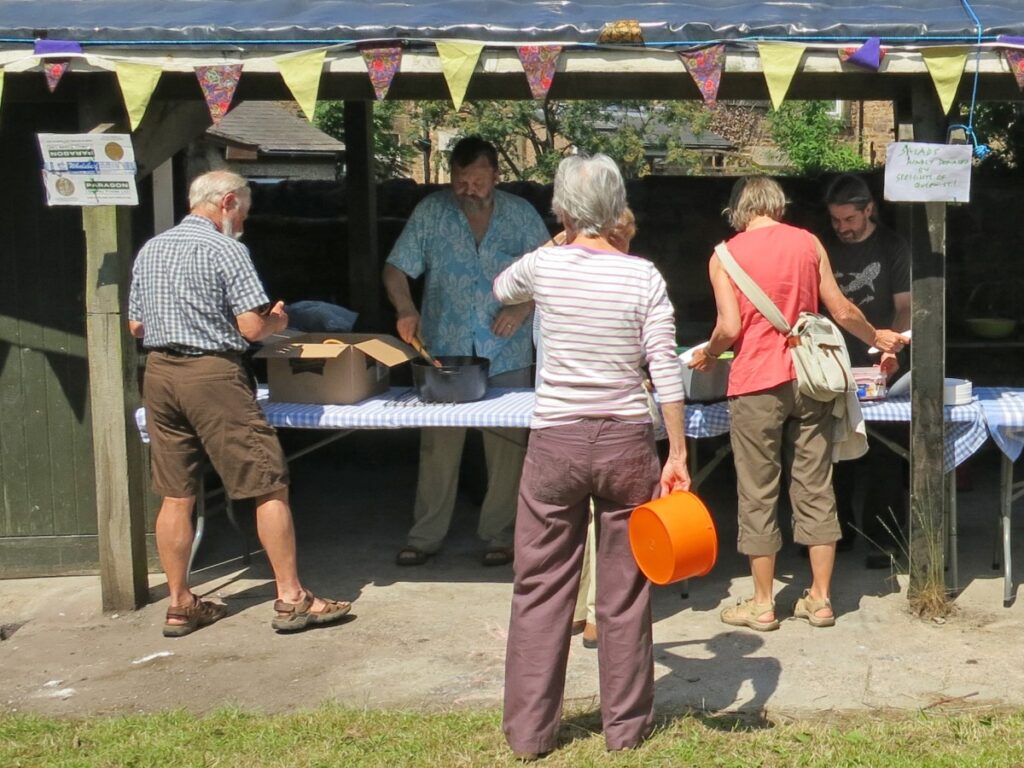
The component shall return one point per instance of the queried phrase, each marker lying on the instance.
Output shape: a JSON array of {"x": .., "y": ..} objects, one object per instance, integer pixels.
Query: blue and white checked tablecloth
[
  {"x": 1004, "y": 414},
  {"x": 965, "y": 430},
  {"x": 399, "y": 408}
]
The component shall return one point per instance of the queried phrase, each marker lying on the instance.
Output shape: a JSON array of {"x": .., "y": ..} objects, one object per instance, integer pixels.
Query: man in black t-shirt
[{"x": 872, "y": 266}]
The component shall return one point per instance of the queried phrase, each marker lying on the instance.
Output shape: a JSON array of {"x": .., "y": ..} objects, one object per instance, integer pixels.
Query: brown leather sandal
[
  {"x": 294, "y": 616},
  {"x": 189, "y": 618}
]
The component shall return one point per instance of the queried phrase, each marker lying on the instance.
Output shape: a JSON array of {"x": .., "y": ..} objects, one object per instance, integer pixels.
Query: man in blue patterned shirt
[
  {"x": 461, "y": 238},
  {"x": 196, "y": 303}
]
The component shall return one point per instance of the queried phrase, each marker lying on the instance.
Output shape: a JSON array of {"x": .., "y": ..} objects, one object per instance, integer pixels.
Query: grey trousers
[
  {"x": 436, "y": 488},
  {"x": 614, "y": 463},
  {"x": 774, "y": 429}
]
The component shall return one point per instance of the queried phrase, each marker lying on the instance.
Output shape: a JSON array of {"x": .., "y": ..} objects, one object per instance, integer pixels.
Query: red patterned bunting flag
[
  {"x": 54, "y": 71},
  {"x": 219, "y": 83},
  {"x": 1015, "y": 58},
  {"x": 381, "y": 65},
  {"x": 539, "y": 62},
  {"x": 705, "y": 67}
]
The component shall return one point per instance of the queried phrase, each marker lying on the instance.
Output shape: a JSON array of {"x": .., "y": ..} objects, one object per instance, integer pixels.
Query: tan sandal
[
  {"x": 748, "y": 614},
  {"x": 184, "y": 620},
  {"x": 807, "y": 608},
  {"x": 290, "y": 617}
]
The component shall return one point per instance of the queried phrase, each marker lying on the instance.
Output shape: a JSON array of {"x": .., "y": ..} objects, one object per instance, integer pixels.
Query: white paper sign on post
[
  {"x": 88, "y": 169},
  {"x": 924, "y": 173}
]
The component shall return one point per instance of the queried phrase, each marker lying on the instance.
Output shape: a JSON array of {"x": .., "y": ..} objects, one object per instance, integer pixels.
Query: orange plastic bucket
[{"x": 673, "y": 538}]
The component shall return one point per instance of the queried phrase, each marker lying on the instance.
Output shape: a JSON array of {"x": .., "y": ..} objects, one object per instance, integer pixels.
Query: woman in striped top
[{"x": 603, "y": 315}]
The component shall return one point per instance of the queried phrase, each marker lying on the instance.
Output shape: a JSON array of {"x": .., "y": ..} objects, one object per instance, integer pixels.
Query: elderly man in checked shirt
[{"x": 196, "y": 303}]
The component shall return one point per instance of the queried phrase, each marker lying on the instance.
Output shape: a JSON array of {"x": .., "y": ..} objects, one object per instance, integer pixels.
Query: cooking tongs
[{"x": 417, "y": 344}]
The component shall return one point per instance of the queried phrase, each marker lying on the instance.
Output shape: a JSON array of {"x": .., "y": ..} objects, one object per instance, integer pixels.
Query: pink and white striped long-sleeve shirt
[{"x": 602, "y": 316}]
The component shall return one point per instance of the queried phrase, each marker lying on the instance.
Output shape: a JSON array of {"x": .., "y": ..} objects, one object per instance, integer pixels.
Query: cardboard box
[{"x": 331, "y": 368}]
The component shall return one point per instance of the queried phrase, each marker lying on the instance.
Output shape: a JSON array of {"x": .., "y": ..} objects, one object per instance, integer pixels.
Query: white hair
[
  {"x": 589, "y": 193},
  {"x": 212, "y": 186}
]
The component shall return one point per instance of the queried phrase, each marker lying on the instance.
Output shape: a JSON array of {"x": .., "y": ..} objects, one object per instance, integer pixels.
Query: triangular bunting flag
[
  {"x": 137, "y": 81},
  {"x": 381, "y": 66},
  {"x": 54, "y": 71},
  {"x": 869, "y": 55},
  {"x": 705, "y": 67},
  {"x": 539, "y": 62},
  {"x": 458, "y": 60},
  {"x": 218, "y": 83},
  {"x": 301, "y": 74},
  {"x": 1015, "y": 60},
  {"x": 946, "y": 65},
  {"x": 779, "y": 62}
]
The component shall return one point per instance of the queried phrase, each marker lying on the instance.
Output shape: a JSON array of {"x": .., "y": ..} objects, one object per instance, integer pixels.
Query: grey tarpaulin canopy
[{"x": 204, "y": 22}]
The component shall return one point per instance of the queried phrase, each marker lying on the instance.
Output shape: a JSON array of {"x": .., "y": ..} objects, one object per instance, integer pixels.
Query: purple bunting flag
[
  {"x": 219, "y": 83},
  {"x": 539, "y": 62},
  {"x": 1015, "y": 59},
  {"x": 869, "y": 55},
  {"x": 705, "y": 67},
  {"x": 381, "y": 66},
  {"x": 54, "y": 71}
]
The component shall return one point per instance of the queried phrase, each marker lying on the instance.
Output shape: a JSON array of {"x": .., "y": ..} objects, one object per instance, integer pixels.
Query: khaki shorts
[{"x": 204, "y": 406}]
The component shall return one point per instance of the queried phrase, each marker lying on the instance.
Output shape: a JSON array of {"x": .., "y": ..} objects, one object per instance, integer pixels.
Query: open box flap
[{"x": 387, "y": 350}]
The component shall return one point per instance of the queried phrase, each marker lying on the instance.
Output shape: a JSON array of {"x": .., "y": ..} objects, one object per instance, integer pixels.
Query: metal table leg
[
  {"x": 197, "y": 538},
  {"x": 1005, "y": 508},
  {"x": 951, "y": 531}
]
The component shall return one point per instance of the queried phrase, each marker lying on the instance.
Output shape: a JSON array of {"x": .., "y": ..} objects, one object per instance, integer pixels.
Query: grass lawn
[{"x": 332, "y": 736}]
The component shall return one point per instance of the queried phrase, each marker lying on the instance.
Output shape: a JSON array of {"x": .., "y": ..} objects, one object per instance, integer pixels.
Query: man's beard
[{"x": 476, "y": 204}]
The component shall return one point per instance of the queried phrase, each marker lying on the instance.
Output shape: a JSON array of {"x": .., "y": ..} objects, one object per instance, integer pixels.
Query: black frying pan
[{"x": 460, "y": 379}]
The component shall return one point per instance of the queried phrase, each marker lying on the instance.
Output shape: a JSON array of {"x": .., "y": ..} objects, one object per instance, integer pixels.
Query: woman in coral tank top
[{"x": 773, "y": 425}]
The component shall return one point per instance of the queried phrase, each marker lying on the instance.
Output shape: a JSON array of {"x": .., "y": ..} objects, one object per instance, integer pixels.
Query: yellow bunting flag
[
  {"x": 301, "y": 74},
  {"x": 458, "y": 60},
  {"x": 779, "y": 61},
  {"x": 137, "y": 81},
  {"x": 946, "y": 65}
]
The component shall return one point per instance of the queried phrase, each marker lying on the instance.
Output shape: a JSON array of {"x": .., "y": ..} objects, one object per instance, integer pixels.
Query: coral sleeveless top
[{"x": 783, "y": 260}]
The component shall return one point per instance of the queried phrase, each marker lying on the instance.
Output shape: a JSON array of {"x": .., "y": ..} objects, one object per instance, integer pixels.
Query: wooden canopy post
[
  {"x": 112, "y": 367},
  {"x": 361, "y": 194},
  {"x": 927, "y": 235}
]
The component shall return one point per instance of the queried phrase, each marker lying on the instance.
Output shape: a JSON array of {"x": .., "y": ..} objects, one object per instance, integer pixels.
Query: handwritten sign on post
[{"x": 921, "y": 173}]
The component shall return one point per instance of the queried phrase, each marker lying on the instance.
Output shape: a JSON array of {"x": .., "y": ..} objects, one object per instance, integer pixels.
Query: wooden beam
[
  {"x": 361, "y": 191},
  {"x": 119, "y": 501},
  {"x": 928, "y": 316}
]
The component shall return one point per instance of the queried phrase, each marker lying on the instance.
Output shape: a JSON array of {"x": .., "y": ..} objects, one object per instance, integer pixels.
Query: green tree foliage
[
  {"x": 810, "y": 136},
  {"x": 392, "y": 157},
  {"x": 532, "y": 138},
  {"x": 1000, "y": 125}
]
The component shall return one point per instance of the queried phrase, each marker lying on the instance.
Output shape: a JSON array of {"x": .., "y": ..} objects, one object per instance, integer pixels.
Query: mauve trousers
[{"x": 616, "y": 464}]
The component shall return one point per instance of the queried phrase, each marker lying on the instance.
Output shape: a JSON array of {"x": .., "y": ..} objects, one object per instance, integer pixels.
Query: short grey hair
[
  {"x": 754, "y": 196},
  {"x": 589, "y": 194},
  {"x": 213, "y": 185}
]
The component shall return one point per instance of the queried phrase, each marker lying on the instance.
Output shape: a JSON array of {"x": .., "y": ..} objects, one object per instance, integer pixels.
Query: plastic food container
[{"x": 871, "y": 383}]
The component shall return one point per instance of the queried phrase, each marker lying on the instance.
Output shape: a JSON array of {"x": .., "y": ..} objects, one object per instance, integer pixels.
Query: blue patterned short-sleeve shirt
[
  {"x": 188, "y": 285},
  {"x": 458, "y": 303}
]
